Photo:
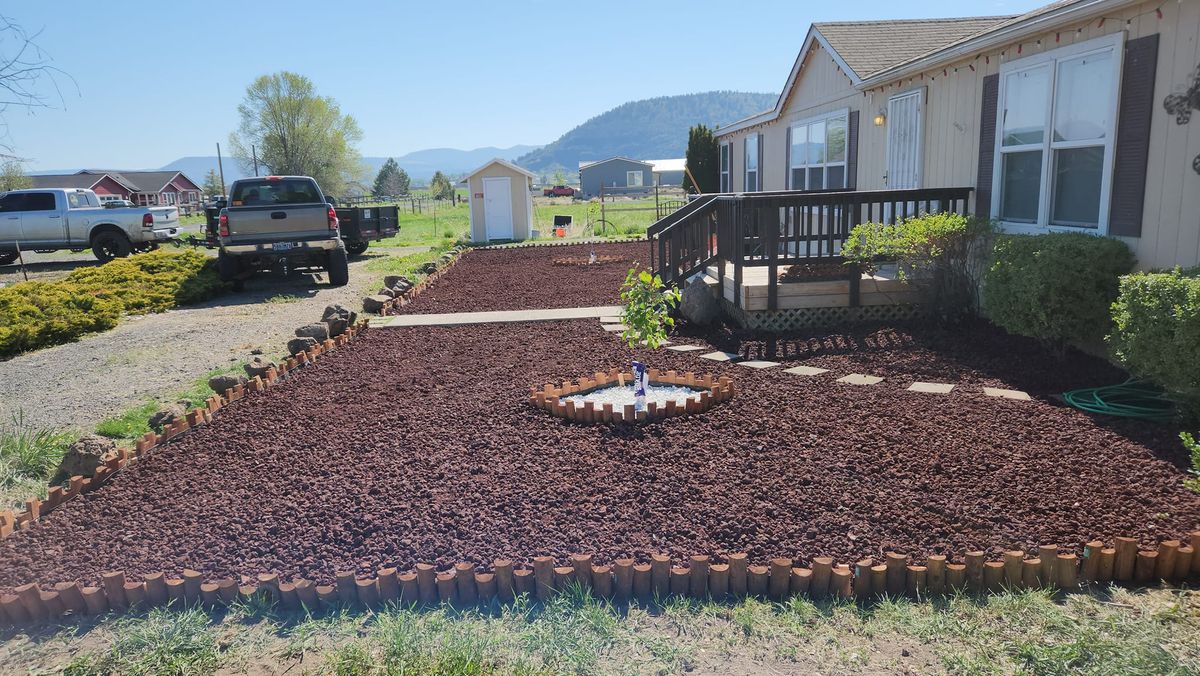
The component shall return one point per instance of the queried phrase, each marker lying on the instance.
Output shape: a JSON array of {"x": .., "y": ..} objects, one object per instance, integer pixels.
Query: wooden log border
[
  {"x": 468, "y": 585},
  {"x": 36, "y": 508},
  {"x": 710, "y": 391}
]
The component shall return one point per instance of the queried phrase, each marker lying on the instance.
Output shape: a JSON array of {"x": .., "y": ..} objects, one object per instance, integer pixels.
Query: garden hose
[{"x": 1130, "y": 399}]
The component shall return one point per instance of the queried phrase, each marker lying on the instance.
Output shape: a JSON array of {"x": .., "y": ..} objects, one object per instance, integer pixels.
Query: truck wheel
[
  {"x": 357, "y": 248},
  {"x": 7, "y": 257},
  {"x": 109, "y": 244},
  {"x": 337, "y": 267}
]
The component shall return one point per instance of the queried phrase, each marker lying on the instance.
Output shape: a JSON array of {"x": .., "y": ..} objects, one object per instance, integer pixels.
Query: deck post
[{"x": 768, "y": 227}]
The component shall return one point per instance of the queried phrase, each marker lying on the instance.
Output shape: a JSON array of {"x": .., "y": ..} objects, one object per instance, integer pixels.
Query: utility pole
[
  {"x": 254, "y": 155},
  {"x": 221, "y": 168}
]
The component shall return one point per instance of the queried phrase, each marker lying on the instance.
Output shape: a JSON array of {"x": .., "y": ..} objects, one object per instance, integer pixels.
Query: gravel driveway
[{"x": 148, "y": 356}]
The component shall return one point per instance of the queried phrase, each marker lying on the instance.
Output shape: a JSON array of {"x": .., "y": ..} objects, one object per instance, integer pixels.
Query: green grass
[
  {"x": 406, "y": 265},
  {"x": 162, "y": 642},
  {"x": 440, "y": 223},
  {"x": 29, "y": 455},
  {"x": 132, "y": 423},
  {"x": 627, "y": 217}
]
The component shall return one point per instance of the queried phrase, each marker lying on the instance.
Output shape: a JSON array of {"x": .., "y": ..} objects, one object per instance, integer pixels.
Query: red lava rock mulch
[
  {"x": 418, "y": 445},
  {"x": 527, "y": 278}
]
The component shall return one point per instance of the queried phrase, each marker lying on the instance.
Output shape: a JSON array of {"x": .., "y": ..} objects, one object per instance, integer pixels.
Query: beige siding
[
  {"x": 521, "y": 201},
  {"x": 1171, "y": 220}
]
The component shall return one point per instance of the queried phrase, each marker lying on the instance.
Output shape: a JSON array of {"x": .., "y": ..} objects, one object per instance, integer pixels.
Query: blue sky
[{"x": 153, "y": 81}]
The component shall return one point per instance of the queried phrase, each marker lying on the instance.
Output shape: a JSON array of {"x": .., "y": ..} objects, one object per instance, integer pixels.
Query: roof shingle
[{"x": 872, "y": 46}]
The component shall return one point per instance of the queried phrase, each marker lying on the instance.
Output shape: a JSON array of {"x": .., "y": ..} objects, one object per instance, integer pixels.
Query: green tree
[
  {"x": 295, "y": 131},
  {"x": 440, "y": 187},
  {"x": 212, "y": 184},
  {"x": 560, "y": 178},
  {"x": 391, "y": 180},
  {"x": 702, "y": 152},
  {"x": 13, "y": 177}
]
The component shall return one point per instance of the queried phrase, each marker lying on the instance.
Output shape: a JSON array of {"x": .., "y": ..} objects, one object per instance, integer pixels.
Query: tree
[
  {"x": 440, "y": 187},
  {"x": 296, "y": 132},
  {"x": 12, "y": 176},
  {"x": 212, "y": 184},
  {"x": 24, "y": 71},
  {"x": 391, "y": 180},
  {"x": 560, "y": 177},
  {"x": 702, "y": 152}
]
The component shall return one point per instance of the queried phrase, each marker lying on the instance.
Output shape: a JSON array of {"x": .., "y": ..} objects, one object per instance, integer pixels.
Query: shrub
[
  {"x": 648, "y": 308},
  {"x": 1156, "y": 331},
  {"x": 151, "y": 282},
  {"x": 37, "y": 314},
  {"x": 1057, "y": 287},
  {"x": 1193, "y": 448}
]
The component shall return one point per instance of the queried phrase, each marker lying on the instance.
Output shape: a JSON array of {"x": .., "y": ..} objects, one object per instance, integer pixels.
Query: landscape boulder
[
  {"x": 386, "y": 292},
  {"x": 318, "y": 331},
  {"x": 225, "y": 381},
  {"x": 166, "y": 415},
  {"x": 258, "y": 367},
  {"x": 429, "y": 268},
  {"x": 84, "y": 456},
  {"x": 397, "y": 282},
  {"x": 338, "y": 318},
  {"x": 698, "y": 305},
  {"x": 374, "y": 303},
  {"x": 297, "y": 345}
]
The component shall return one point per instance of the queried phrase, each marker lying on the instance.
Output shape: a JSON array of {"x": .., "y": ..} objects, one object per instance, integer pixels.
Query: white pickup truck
[{"x": 59, "y": 218}]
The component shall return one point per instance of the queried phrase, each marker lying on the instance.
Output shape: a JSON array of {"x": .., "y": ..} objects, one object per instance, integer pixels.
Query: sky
[{"x": 143, "y": 82}]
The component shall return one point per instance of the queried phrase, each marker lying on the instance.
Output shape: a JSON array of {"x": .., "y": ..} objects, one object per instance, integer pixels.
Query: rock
[
  {"x": 225, "y": 381},
  {"x": 258, "y": 367},
  {"x": 386, "y": 292},
  {"x": 393, "y": 281},
  {"x": 257, "y": 350},
  {"x": 165, "y": 416},
  {"x": 84, "y": 456},
  {"x": 429, "y": 268},
  {"x": 698, "y": 305},
  {"x": 374, "y": 303},
  {"x": 296, "y": 345},
  {"x": 318, "y": 331},
  {"x": 338, "y": 318}
]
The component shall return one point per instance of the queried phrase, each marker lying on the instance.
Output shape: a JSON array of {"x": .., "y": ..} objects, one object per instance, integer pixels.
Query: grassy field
[
  {"x": 1104, "y": 632},
  {"x": 625, "y": 217}
]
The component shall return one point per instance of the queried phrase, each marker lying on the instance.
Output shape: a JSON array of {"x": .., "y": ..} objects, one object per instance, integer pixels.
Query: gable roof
[
  {"x": 677, "y": 164},
  {"x": 502, "y": 162},
  {"x": 70, "y": 181},
  {"x": 139, "y": 181},
  {"x": 868, "y": 47},
  {"x": 583, "y": 165}
]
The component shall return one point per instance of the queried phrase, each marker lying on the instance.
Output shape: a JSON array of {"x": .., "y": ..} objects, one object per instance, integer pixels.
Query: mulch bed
[
  {"x": 815, "y": 272},
  {"x": 417, "y": 445},
  {"x": 528, "y": 278}
]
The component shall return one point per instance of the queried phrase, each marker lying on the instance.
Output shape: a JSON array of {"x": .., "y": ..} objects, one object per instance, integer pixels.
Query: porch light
[{"x": 880, "y": 118}]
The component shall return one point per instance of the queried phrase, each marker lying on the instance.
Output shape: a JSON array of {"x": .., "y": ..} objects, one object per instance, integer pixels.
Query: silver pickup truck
[
  {"x": 276, "y": 220},
  {"x": 60, "y": 218}
]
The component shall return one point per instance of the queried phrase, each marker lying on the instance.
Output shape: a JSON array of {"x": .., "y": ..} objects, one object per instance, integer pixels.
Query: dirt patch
[
  {"x": 529, "y": 278},
  {"x": 432, "y": 453}
]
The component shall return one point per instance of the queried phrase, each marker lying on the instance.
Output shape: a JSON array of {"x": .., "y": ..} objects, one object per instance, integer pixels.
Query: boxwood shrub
[
  {"x": 1156, "y": 331},
  {"x": 1057, "y": 288}
]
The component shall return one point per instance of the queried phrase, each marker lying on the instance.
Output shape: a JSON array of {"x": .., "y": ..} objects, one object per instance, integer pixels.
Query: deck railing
[{"x": 779, "y": 228}]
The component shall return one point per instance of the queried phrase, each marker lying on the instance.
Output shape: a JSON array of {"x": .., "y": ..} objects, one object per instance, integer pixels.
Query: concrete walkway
[{"x": 500, "y": 317}]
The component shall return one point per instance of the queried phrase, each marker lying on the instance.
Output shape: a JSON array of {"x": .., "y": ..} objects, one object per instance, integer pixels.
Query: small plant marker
[
  {"x": 931, "y": 388},
  {"x": 1006, "y": 394},
  {"x": 860, "y": 379},
  {"x": 806, "y": 371},
  {"x": 720, "y": 356}
]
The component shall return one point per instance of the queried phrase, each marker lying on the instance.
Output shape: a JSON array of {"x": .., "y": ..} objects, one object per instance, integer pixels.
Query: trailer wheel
[
  {"x": 357, "y": 247},
  {"x": 337, "y": 267},
  {"x": 110, "y": 244}
]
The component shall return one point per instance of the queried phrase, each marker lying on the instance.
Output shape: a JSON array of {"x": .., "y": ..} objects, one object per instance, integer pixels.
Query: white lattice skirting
[{"x": 803, "y": 318}]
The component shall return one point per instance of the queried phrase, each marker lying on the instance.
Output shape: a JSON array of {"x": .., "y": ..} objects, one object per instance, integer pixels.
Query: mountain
[
  {"x": 420, "y": 164},
  {"x": 651, "y": 129}
]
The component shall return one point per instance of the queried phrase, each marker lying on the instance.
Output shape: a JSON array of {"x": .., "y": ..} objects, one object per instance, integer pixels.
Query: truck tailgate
[
  {"x": 277, "y": 222},
  {"x": 165, "y": 217}
]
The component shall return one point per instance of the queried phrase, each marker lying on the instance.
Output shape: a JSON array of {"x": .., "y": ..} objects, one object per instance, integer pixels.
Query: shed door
[
  {"x": 497, "y": 207},
  {"x": 904, "y": 141}
]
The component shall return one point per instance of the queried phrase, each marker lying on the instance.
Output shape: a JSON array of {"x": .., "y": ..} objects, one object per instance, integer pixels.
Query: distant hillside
[
  {"x": 647, "y": 130},
  {"x": 420, "y": 164}
]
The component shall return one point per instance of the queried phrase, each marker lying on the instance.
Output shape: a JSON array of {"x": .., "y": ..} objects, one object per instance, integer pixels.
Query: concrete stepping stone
[
  {"x": 860, "y": 379},
  {"x": 806, "y": 371},
  {"x": 611, "y": 320},
  {"x": 720, "y": 356},
  {"x": 1006, "y": 394},
  {"x": 685, "y": 348},
  {"x": 931, "y": 388},
  {"x": 614, "y": 327},
  {"x": 759, "y": 364}
]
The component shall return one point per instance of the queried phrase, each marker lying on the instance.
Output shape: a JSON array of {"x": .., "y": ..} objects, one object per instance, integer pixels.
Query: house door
[
  {"x": 497, "y": 207},
  {"x": 904, "y": 140}
]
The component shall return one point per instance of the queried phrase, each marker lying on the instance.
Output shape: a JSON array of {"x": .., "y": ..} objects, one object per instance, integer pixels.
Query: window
[
  {"x": 725, "y": 184},
  {"x": 275, "y": 191},
  {"x": 76, "y": 200},
  {"x": 751, "y": 179},
  {"x": 1057, "y": 122},
  {"x": 633, "y": 179},
  {"x": 39, "y": 201},
  {"x": 817, "y": 154}
]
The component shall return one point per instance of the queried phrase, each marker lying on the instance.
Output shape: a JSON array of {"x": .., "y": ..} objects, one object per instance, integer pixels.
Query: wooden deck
[{"x": 882, "y": 288}]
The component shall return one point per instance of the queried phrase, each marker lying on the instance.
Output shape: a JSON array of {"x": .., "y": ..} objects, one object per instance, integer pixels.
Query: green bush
[
  {"x": 648, "y": 306},
  {"x": 1156, "y": 331},
  {"x": 1193, "y": 449},
  {"x": 40, "y": 314},
  {"x": 1057, "y": 287}
]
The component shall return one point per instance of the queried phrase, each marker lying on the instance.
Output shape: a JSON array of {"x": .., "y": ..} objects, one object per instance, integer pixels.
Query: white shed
[{"x": 501, "y": 201}]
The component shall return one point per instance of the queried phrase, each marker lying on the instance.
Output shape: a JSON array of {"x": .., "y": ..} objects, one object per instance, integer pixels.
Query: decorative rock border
[
  {"x": 36, "y": 508},
  {"x": 866, "y": 580},
  {"x": 425, "y": 282},
  {"x": 712, "y": 391}
]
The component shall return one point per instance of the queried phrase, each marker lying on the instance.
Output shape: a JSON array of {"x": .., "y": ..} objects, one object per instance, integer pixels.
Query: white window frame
[
  {"x": 725, "y": 162},
  {"x": 1115, "y": 43},
  {"x": 629, "y": 175},
  {"x": 757, "y": 138},
  {"x": 844, "y": 114}
]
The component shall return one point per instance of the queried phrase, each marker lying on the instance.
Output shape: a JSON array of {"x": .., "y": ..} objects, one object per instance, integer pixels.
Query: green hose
[{"x": 1130, "y": 399}]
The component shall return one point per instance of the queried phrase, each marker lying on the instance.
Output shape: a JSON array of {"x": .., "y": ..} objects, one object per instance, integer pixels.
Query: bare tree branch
[{"x": 25, "y": 75}]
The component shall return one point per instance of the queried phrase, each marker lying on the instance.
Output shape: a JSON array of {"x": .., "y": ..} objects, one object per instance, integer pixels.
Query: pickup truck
[
  {"x": 559, "y": 191},
  {"x": 66, "y": 218},
  {"x": 275, "y": 220}
]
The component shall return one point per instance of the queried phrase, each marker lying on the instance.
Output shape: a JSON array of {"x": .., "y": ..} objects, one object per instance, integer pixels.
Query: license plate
[{"x": 282, "y": 246}]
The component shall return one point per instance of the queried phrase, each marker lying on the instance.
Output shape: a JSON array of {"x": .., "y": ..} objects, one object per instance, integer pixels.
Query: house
[
  {"x": 501, "y": 201},
  {"x": 145, "y": 188},
  {"x": 1071, "y": 117},
  {"x": 668, "y": 172},
  {"x": 616, "y": 175}
]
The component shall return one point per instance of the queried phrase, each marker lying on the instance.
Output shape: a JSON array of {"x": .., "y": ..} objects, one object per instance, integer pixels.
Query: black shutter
[
  {"x": 852, "y": 151},
  {"x": 1133, "y": 137},
  {"x": 787, "y": 160},
  {"x": 987, "y": 145},
  {"x": 759, "y": 175}
]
